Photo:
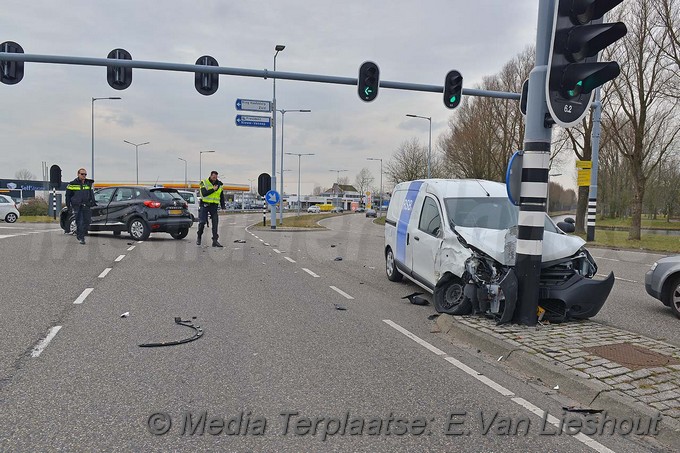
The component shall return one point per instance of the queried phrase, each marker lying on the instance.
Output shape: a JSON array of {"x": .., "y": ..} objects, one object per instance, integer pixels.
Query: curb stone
[{"x": 588, "y": 392}]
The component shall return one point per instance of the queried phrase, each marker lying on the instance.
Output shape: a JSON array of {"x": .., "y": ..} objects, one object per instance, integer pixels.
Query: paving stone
[
  {"x": 621, "y": 371},
  {"x": 594, "y": 369},
  {"x": 624, "y": 386},
  {"x": 575, "y": 361},
  {"x": 601, "y": 374},
  {"x": 645, "y": 391},
  {"x": 639, "y": 374},
  {"x": 659, "y": 406},
  {"x": 675, "y": 413}
]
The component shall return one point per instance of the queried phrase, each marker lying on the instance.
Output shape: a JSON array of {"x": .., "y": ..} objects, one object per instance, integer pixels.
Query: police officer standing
[
  {"x": 80, "y": 198},
  {"x": 211, "y": 196}
]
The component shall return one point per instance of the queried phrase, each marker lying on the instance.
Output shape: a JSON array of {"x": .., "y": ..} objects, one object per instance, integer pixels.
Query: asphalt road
[{"x": 274, "y": 343}]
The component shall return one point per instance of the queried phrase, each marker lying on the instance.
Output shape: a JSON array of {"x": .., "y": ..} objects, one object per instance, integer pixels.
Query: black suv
[{"x": 137, "y": 210}]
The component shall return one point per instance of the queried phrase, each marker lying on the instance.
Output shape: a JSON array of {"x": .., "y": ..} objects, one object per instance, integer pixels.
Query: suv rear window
[{"x": 166, "y": 194}]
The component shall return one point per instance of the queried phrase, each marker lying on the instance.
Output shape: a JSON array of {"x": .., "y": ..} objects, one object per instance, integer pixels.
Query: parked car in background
[
  {"x": 8, "y": 209},
  {"x": 314, "y": 209},
  {"x": 662, "y": 282},
  {"x": 337, "y": 209},
  {"x": 371, "y": 213},
  {"x": 193, "y": 203},
  {"x": 138, "y": 210},
  {"x": 360, "y": 209}
]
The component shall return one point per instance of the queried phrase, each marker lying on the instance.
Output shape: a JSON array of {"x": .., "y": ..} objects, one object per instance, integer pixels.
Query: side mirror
[{"x": 567, "y": 227}]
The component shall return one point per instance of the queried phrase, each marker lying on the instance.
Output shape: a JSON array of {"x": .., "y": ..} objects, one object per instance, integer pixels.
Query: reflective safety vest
[
  {"x": 213, "y": 197},
  {"x": 78, "y": 187}
]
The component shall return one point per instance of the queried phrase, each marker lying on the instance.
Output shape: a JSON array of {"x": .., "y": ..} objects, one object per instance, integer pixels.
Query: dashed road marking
[
  {"x": 341, "y": 292},
  {"x": 120, "y": 258},
  {"x": 105, "y": 272},
  {"x": 310, "y": 272},
  {"x": 131, "y": 248},
  {"x": 277, "y": 251},
  {"x": 290, "y": 259},
  {"x": 42, "y": 344},
  {"x": 86, "y": 292}
]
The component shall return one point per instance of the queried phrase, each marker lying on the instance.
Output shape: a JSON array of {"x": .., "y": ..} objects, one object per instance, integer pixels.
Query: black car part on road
[{"x": 178, "y": 320}]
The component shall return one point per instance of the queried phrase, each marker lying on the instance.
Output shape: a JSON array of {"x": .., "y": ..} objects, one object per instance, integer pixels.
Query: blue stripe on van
[{"x": 404, "y": 217}]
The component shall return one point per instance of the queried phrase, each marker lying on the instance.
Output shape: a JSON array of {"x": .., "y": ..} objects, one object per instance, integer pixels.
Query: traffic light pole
[{"x": 535, "y": 165}]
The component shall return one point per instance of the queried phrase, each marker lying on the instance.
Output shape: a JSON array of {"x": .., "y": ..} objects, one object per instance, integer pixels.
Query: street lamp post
[
  {"x": 136, "y": 155},
  {"x": 381, "y": 186},
  {"x": 283, "y": 117},
  {"x": 200, "y": 169},
  {"x": 337, "y": 181},
  {"x": 278, "y": 49},
  {"x": 429, "y": 146},
  {"x": 186, "y": 183},
  {"x": 96, "y": 99},
  {"x": 298, "y": 191}
]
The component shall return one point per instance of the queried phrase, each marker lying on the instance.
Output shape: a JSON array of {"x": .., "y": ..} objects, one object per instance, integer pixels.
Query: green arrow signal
[
  {"x": 576, "y": 90},
  {"x": 368, "y": 91}
]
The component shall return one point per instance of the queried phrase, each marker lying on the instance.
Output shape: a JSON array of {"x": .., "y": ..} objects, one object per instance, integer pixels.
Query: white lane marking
[
  {"x": 139, "y": 242},
  {"x": 290, "y": 259},
  {"x": 86, "y": 292},
  {"x": 5, "y": 236},
  {"x": 277, "y": 250},
  {"x": 120, "y": 258},
  {"x": 497, "y": 387},
  {"x": 131, "y": 248},
  {"x": 341, "y": 292},
  {"x": 261, "y": 240},
  {"x": 309, "y": 272},
  {"x": 106, "y": 271},
  {"x": 267, "y": 244},
  {"x": 556, "y": 423},
  {"x": 618, "y": 278},
  {"x": 255, "y": 236},
  {"x": 603, "y": 258},
  {"x": 42, "y": 344}
]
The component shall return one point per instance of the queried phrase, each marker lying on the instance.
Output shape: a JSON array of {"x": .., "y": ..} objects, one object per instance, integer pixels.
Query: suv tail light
[{"x": 152, "y": 204}]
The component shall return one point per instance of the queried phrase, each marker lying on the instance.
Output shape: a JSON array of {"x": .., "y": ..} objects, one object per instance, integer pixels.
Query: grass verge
[
  {"x": 652, "y": 242},
  {"x": 37, "y": 219}
]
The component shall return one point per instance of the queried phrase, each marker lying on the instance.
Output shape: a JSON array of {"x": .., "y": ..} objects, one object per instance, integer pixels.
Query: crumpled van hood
[{"x": 501, "y": 244}]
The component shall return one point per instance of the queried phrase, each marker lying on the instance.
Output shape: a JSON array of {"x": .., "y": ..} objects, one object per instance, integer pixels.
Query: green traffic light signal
[
  {"x": 453, "y": 89},
  {"x": 368, "y": 81}
]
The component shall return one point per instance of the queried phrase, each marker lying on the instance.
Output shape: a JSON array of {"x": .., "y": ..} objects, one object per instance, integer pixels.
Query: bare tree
[
  {"x": 409, "y": 162},
  {"x": 24, "y": 174},
  {"x": 317, "y": 190},
  {"x": 643, "y": 122},
  {"x": 343, "y": 180},
  {"x": 363, "y": 180}
]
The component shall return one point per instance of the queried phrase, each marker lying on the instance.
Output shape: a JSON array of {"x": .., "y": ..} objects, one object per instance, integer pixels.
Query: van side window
[{"x": 430, "y": 220}]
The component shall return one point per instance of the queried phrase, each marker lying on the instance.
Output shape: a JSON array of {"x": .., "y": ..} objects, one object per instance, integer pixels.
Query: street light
[
  {"x": 186, "y": 183},
  {"x": 136, "y": 154},
  {"x": 278, "y": 49},
  {"x": 380, "y": 206},
  {"x": 96, "y": 99},
  {"x": 200, "y": 169},
  {"x": 337, "y": 181},
  {"x": 283, "y": 117},
  {"x": 429, "y": 147},
  {"x": 298, "y": 191}
]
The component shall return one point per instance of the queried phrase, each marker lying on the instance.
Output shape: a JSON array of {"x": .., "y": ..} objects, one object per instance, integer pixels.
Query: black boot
[
  {"x": 198, "y": 240},
  {"x": 216, "y": 244}
]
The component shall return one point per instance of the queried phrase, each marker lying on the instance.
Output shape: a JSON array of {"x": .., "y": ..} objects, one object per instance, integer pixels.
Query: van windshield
[{"x": 484, "y": 212}]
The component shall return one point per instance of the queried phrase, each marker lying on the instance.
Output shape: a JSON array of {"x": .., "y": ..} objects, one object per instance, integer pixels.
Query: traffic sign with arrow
[
  {"x": 253, "y": 105},
  {"x": 272, "y": 197},
  {"x": 253, "y": 121}
]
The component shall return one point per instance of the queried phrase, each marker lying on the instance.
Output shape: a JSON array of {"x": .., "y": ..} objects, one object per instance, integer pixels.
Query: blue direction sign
[
  {"x": 253, "y": 121},
  {"x": 272, "y": 197},
  {"x": 253, "y": 105}
]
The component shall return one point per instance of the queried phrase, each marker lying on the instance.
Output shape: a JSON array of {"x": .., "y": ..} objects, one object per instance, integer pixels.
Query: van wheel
[
  {"x": 139, "y": 229},
  {"x": 393, "y": 274},
  {"x": 449, "y": 297}
]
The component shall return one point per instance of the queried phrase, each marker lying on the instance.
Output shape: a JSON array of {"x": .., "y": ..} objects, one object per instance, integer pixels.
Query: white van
[
  {"x": 193, "y": 201},
  {"x": 457, "y": 239}
]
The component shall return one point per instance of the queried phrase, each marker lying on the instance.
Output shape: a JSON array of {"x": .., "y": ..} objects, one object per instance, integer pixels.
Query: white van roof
[{"x": 454, "y": 188}]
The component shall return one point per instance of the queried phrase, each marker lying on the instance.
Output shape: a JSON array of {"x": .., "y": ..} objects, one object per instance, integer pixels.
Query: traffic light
[
  {"x": 119, "y": 78},
  {"x": 11, "y": 72},
  {"x": 264, "y": 184},
  {"x": 573, "y": 68},
  {"x": 453, "y": 89},
  {"x": 55, "y": 177},
  {"x": 369, "y": 81},
  {"x": 206, "y": 83}
]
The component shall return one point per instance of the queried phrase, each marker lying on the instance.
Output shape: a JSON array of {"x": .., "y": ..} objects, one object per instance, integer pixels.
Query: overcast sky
[{"x": 47, "y": 116}]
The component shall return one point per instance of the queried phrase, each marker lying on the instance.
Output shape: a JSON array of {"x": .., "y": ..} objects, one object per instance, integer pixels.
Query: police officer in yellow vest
[{"x": 211, "y": 196}]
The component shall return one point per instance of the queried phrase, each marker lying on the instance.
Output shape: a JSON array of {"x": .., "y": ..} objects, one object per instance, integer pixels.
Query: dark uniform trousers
[
  {"x": 208, "y": 208},
  {"x": 83, "y": 215}
]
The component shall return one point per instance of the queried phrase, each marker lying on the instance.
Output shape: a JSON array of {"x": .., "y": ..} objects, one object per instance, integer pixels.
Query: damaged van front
[{"x": 473, "y": 253}]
